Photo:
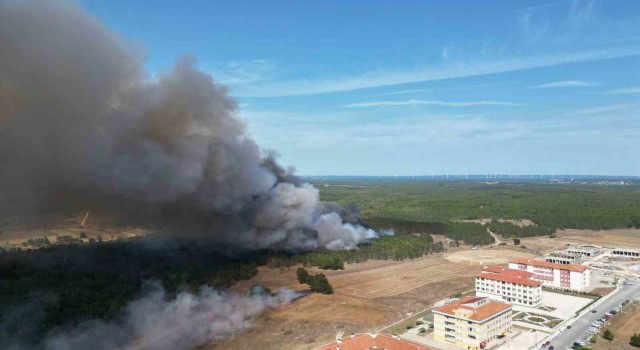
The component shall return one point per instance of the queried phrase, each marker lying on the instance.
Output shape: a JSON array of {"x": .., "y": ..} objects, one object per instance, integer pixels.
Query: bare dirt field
[
  {"x": 623, "y": 327},
  {"x": 367, "y": 297},
  {"x": 606, "y": 238},
  {"x": 487, "y": 256}
]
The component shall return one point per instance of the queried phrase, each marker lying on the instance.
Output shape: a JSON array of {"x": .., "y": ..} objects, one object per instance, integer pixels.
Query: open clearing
[
  {"x": 367, "y": 296},
  {"x": 605, "y": 238},
  {"x": 16, "y": 230}
]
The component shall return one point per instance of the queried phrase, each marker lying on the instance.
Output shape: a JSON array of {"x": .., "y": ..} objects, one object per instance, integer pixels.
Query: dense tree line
[
  {"x": 470, "y": 233},
  {"x": 52, "y": 286},
  {"x": 408, "y": 226},
  {"x": 395, "y": 247},
  {"x": 548, "y": 205}
]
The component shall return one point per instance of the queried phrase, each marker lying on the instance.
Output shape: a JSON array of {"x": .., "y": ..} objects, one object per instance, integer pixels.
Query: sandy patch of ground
[
  {"x": 608, "y": 238},
  {"x": 476, "y": 221},
  {"x": 487, "y": 256},
  {"x": 520, "y": 223}
]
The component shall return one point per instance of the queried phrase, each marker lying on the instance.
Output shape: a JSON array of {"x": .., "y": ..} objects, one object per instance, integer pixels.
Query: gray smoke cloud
[
  {"x": 153, "y": 322},
  {"x": 78, "y": 115}
]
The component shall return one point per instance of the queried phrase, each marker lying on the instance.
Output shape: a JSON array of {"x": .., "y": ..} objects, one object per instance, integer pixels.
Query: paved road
[{"x": 580, "y": 326}]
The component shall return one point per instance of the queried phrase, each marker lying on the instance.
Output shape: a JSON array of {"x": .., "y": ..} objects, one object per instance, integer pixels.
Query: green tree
[
  {"x": 635, "y": 340},
  {"x": 320, "y": 284},
  {"x": 608, "y": 335},
  {"x": 83, "y": 235},
  {"x": 303, "y": 275},
  {"x": 516, "y": 241}
]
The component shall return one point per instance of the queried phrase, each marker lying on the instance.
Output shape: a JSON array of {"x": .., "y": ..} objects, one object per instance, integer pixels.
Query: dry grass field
[
  {"x": 15, "y": 231},
  {"x": 367, "y": 297},
  {"x": 623, "y": 327},
  {"x": 606, "y": 238}
]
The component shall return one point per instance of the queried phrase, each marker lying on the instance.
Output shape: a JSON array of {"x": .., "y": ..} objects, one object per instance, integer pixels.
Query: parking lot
[{"x": 580, "y": 328}]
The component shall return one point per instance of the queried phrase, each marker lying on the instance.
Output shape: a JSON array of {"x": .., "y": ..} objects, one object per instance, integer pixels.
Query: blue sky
[{"x": 415, "y": 87}]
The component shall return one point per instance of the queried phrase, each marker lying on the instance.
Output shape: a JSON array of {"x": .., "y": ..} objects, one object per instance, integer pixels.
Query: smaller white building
[
  {"x": 626, "y": 252},
  {"x": 508, "y": 285},
  {"x": 570, "y": 276}
]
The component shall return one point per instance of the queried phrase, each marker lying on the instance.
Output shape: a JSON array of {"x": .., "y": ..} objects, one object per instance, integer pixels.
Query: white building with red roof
[
  {"x": 508, "y": 285},
  {"x": 565, "y": 276},
  {"x": 472, "y": 322}
]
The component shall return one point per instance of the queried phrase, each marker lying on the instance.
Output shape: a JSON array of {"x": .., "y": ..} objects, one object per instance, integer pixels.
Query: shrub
[
  {"x": 516, "y": 241},
  {"x": 635, "y": 340},
  {"x": 608, "y": 335}
]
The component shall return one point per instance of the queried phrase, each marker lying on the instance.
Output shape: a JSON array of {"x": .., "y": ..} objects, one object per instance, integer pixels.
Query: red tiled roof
[
  {"x": 364, "y": 341},
  {"x": 480, "y": 313},
  {"x": 570, "y": 267},
  {"x": 504, "y": 270},
  {"x": 506, "y": 277}
]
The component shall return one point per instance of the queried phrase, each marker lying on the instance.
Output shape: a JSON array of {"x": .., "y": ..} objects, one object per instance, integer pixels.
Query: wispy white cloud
[
  {"x": 454, "y": 70},
  {"x": 431, "y": 102},
  {"x": 563, "y": 84},
  {"x": 404, "y": 92},
  {"x": 454, "y": 88},
  {"x": 600, "y": 110},
  {"x": 239, "y": 72},
  {"x": 624, "y": 91}
]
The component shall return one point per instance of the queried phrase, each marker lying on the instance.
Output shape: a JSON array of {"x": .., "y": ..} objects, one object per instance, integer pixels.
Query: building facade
[
  {"x": 511, "y": 286},
  {"x": 564, "y": 258},
  {"x": 584, "y": 250},
  {"x": 472, "y": 322},
  {"x": 563, "y": 276},
  {"x": 625, "y": 252}
]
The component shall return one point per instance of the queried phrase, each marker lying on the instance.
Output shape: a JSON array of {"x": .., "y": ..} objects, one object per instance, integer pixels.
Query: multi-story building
[
  {"x": 472, "y": 322},
  {"x": 512, "y": 286},
  {"x": 564, "y": 276}
]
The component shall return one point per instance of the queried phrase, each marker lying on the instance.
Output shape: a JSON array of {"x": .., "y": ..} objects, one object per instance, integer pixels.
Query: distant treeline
[
  {"x": 426, "y": 206},
  {"x": 397, "y": 247}
]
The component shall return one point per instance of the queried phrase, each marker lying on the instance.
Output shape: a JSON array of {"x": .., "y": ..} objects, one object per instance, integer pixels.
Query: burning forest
[{"x": 80, "y": 119}]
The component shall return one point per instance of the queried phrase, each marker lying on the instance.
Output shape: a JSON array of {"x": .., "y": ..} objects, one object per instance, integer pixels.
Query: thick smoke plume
[
  {"x": 152, "y": 322},
  {"x": 78, "y": 116}
]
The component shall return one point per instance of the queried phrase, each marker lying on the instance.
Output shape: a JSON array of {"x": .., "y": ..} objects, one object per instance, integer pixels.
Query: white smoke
[{"x": 154, "y": 323}]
